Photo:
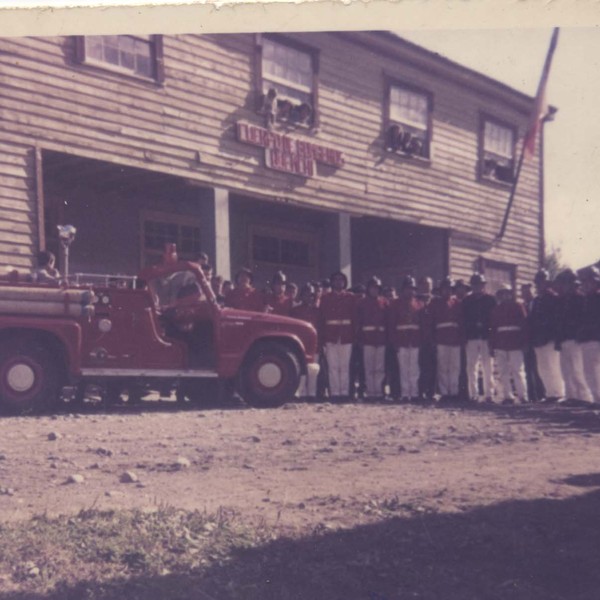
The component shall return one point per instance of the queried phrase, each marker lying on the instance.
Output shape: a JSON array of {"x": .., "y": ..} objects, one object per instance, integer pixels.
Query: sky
[{"x": 572, "y": 140}]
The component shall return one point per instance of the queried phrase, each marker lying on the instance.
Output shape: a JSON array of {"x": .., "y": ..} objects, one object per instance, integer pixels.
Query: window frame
[
  {"x": 157, "y": 60},
  {"x": 391, "y": 82},
  {"x": 487, "y": 118},
  {"x": 310, "y": 238},
  {"x": 314, "y": 54},
  {"x": 511, "y": 268},
  {"x": 180, "y": 220}
]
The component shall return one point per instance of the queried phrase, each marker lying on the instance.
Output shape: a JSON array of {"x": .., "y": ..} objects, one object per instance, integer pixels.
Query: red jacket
[
  {"x": 280, "y": 304},
  {"x": 508, "y": 323},
  {"x": 404, "y": 323},
  {"x": 337, "y": 318},
  {"x": 447, "y": 321},
  {"x": 245, "y": 298},
  {"x": 371, "y": 321}
]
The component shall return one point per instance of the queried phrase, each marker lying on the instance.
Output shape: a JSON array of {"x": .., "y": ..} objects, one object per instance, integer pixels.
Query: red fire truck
[{"x": 162, "y": 330}]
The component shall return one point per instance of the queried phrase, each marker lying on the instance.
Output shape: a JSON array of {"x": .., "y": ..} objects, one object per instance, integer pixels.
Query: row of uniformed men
[{"x": 428, "y": 333}]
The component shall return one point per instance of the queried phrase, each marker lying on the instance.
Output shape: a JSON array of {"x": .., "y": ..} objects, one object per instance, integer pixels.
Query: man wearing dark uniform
[
  {"x": 427, "y": 349},
  {"x": 543, "y": 331},
  {"x": 476, "y": 309},
  {"x": 589, "y": 334},
  {"x": 570, "y": 315}
]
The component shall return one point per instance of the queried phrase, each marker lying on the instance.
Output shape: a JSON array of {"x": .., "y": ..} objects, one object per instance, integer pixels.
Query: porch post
[
  {"x": 222, "y": 245},
  {"x": 345, "y": 241}
]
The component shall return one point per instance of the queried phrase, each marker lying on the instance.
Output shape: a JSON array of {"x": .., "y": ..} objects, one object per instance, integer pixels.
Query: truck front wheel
[
  {"x": 270, "y": 376},
  {"x": 29, "y": 377}
]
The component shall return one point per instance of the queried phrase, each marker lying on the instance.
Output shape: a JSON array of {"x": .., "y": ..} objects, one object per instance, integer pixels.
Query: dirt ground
[{"x": 314, "y": 468}]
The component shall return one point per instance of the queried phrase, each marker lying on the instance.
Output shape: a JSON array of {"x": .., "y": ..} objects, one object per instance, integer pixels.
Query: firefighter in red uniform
[
  {"x": 307, "y": 311},
  {"x": 277, "y": 301},
  {"x": 244, "y": 296},
  {"x": 337, "y": 327},
  {"x": 448, "y": 336},
  {"x": 404, "y": 331},
  {"x": 508, "y": 339},
  {"x": 371, "y": 336}
]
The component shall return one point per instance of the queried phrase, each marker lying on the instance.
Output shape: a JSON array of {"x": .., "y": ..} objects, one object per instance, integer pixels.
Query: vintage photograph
[{"x": 300, "y": 315}]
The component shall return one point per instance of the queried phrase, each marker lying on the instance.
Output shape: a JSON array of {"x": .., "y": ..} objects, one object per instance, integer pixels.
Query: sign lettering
[{"x": 287, "y": 154}]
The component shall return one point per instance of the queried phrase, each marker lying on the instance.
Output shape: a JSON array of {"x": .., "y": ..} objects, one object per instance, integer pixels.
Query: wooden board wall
[{"x": 46, "y": 98}]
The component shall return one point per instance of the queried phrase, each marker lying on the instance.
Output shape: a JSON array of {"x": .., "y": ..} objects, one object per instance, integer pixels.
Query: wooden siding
[{"x": 46, "y": 98}]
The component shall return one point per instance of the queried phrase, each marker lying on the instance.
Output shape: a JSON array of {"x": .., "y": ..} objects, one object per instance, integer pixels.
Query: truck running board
[{"x": 150, "y": 373}]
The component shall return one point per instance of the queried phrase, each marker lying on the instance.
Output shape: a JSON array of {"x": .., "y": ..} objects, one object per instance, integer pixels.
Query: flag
[{"x": 541, "y": 107}]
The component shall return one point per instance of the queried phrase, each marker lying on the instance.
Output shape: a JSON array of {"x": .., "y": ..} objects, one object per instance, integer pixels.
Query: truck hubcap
[
  {"x": 270, "y": 375},
  {"x": 20, "y": 377}
]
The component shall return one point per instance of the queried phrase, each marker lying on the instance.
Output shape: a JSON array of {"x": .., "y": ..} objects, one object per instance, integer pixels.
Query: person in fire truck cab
[
  {"x": 276, "y": 300},
  {"x": 46, "y": 272},
  {"x": 244, "y": 295},
  {"x": 508, "y": 339},
  {"x": 337, "y": 323}
]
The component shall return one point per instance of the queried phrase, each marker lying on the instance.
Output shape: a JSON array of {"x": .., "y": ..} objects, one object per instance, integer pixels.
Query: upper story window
[
  {"x": 288, "y": 86},
  {"x": 137, "y": 55},
  {"x": 497, "y": 149},
  {"x": 409, "y": 121}
]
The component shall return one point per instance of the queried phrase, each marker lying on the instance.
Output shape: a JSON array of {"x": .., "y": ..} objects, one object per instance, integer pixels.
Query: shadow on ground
[{"x": 517, "y": 550}]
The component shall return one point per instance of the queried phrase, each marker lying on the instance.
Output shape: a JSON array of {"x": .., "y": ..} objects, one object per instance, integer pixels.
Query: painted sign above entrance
[{"x": 288, "y": 154}]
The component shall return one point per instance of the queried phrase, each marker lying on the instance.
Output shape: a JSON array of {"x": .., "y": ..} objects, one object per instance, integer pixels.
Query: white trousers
[
  {"x": 571, "y": 363},
  {"x": 448, "y": 369},
  {"x": 591, "y": 367},
  {"x": 548, "y": 366},
  {"x": 374, "y": 361},
  {"x": 308, "y": 386},
  {"x": 338, "y": 363},
  {"x": 408, "y": 363},
  {"x": 511, "y": 366},
  {"x": 478, "y": 351}
]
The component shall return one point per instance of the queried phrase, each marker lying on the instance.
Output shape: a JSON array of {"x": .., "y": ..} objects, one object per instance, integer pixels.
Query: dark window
[
  {"x": 265, "y": 248},
  {"x": 137, "y": 55},
  {"x": 497, "y": 151},
  {"x": 409, "y": 121},
  {"x": 288, "y": 82},
  {"x": 281, "y": 251}
]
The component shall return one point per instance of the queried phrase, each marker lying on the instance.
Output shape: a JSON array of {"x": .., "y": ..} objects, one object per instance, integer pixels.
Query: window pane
[
  {"x": 94, "y": 47},
  {"x": 286, "y": 63},
  {"x": 295, "y": 253},
  {"x": 128, "y": 52},
  {"x": 498, "y": 139},
  {"x": 265, "y": 248},
  {"x": 409, "y": 107}
]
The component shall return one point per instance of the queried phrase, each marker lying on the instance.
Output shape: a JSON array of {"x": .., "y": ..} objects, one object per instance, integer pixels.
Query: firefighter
[
  {"x": 477, "y": 309},
  {"x": 589, "y": 336},
  {"x": 244, "y": 295},
  {"x": 276, "y": 300},
  {"x": 404, "y": 331},
  {"x": 307, "y": 311},
  {"x": 570, "y": 323},
  {"x": 448, "y": 337},
  {"x": 508, "y": 337},
  {"x": 337, "y": 326},
  {"x": 371, "y": 337},
  {"x": 543, "y": 331},
  {"x": 358, "y": 385},
  {"x": 427, "y": 350}
]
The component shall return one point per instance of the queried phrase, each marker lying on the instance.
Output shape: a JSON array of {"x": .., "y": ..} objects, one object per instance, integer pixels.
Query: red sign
[{"x": 287, "y": 154}]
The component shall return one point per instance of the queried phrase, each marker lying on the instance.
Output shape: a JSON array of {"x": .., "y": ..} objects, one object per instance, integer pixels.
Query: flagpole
[{"x": 529, "y": 139}]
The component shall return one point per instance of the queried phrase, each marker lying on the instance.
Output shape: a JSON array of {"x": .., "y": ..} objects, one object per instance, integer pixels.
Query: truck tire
[
  {"x": 270, "y": 376},
  {"x": 29, "y": 377}
]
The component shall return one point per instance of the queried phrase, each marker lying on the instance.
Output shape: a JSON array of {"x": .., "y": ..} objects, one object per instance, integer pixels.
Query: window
[
  {"x": 137, "y": 55},
  {"x": 497, "y": 273},
  {"x": 159, "y": 229},
  {"x": 288, "y": 86},
  {"x": 497, "y": 148},
  {"x": 282, "y": 248},
  {"x": 409, "y": 121}
]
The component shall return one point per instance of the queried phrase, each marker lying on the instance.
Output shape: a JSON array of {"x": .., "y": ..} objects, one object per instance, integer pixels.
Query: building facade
[{"x": 307, "y": 152}]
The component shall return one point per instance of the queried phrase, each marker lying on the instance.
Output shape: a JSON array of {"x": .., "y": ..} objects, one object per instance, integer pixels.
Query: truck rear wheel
[
  {"x": 270, "y": 376},
  {"x": 29, "y": 377}
]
